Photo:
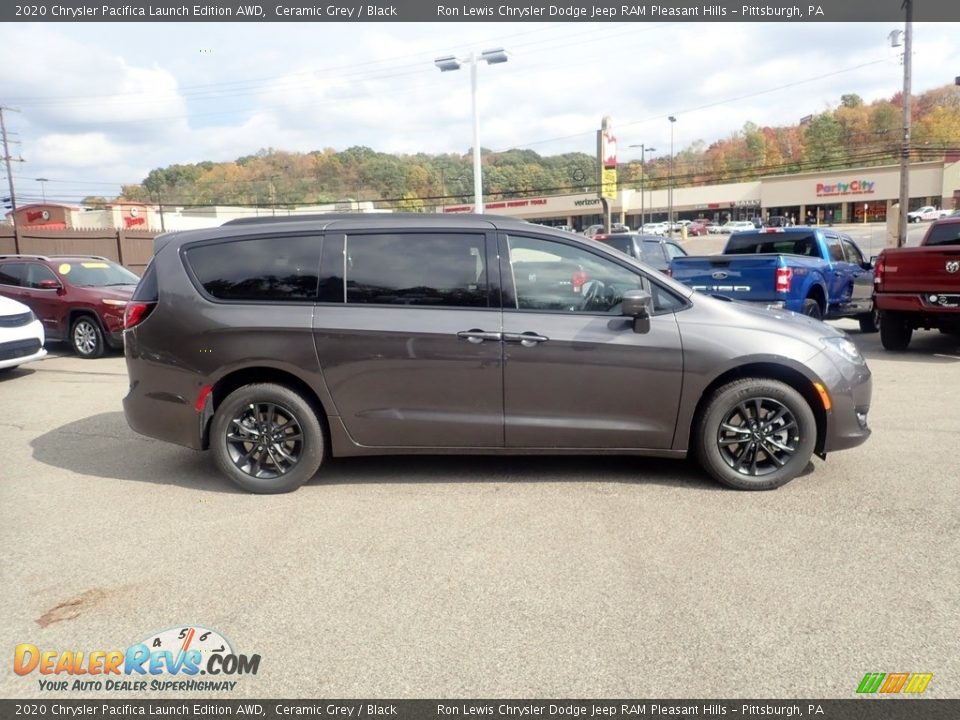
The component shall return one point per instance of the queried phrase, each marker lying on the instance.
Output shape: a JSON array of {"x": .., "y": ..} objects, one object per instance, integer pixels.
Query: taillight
[
  {"x": 135, "y": 313},
  {"x": 579, "y": 278},
  {"x": 783, "y": 278},
  {"x": 878, "y": 272}
]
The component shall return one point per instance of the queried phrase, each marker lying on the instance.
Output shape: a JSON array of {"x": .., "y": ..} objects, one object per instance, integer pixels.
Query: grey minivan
[{"x": 280, "y": 342}]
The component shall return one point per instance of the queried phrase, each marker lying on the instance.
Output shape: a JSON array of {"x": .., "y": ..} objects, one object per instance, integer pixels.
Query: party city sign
[{"x": 855, "y": 187}]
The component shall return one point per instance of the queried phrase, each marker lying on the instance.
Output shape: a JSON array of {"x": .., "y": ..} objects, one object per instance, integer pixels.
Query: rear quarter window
[{"x": 276, "y": 269}]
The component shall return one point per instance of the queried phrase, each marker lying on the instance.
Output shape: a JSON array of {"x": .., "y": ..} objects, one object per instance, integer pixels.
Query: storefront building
[{"x": 834, "y": 197}]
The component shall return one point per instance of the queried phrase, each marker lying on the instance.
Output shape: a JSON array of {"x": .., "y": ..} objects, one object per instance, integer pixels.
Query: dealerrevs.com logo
[{"x": 173, "y": 659}]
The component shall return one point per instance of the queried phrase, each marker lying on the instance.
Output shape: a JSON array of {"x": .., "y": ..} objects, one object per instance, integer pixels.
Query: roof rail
[{"x": 30, "y": 256}]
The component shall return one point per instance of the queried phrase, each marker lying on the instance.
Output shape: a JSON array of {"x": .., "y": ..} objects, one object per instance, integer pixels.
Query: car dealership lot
[{"x": 526, "y": 576}]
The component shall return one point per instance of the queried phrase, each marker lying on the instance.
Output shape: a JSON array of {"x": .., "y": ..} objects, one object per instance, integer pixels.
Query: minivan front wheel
[
  {"x": 267, "y": 438},
  {"x": 756, "y": 434}
]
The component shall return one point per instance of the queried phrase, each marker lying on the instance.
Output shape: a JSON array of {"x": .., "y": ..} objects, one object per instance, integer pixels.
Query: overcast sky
[{"x": 103, "y": 104}]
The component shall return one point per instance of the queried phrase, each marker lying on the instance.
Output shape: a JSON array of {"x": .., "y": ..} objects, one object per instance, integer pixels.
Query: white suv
[{"x": 21, "y": 335}]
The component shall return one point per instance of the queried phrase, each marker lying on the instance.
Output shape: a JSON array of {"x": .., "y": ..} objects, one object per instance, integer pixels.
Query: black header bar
[
  {"x": 353, "y": 709},
  {"x": 476, "y": 11}
]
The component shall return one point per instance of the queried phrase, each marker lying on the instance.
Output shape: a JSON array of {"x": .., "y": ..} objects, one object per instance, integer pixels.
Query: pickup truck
[
  {"x": 813, "y": 271},
  {"x": 919, "y": 287},
  {"x": 928, "y": 212}
]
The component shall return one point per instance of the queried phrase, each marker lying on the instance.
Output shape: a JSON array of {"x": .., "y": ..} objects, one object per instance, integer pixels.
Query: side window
[
  {"x": 550, "y": 275},
  {"x": 674, "y": 250},
  {"x": 11, "y": 273},
  {"x": 834, "y": 248},
  {"x": 851, "y": 253},
  {"x": 281, "y": 269},
  {"x": 35, "y": 273},
  {"x": 424, "y": 269}
]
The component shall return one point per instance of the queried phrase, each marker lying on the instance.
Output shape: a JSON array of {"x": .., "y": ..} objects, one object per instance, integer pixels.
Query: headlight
[{"x": 843, "y": 347}]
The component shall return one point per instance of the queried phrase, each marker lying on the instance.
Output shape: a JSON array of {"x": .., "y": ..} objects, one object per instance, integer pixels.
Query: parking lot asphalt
[{"x": 500, "y": 577}]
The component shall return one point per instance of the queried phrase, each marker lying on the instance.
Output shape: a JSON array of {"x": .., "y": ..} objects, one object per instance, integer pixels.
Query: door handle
[
  {"x": 527, "y": 339},
  {"x": 477, "y": 336}
]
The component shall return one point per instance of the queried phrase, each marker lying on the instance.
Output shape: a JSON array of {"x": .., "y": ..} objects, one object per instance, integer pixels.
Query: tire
[
  {"x": 785, "y": 446},
  {"x": 252, "y": 409},
  {"x": 811, "y": 308},
  {"x": 870, "y": 323},
  {"x": 895, "y": 332},
  {"x": 86, "y": 337}
]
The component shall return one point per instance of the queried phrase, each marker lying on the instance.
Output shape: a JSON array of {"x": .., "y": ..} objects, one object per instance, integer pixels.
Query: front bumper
[{"x": 850, "y": 388}]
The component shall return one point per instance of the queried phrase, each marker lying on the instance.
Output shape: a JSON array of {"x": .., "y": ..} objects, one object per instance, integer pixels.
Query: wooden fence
[{"x": 131, "y": 248}]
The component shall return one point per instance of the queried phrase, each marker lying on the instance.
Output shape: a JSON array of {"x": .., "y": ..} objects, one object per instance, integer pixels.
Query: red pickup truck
[{"x": 919, "y": 287}]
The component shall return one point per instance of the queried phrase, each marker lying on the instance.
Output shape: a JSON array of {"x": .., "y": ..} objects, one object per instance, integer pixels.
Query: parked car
[
  {"x": 21, "y": 335},
  {"x": 280, "y": 342},
  {"x": 698, "y": 228},
  {"x": 714, "y": 228},
  {"x": 927, "y": 212},
  {"x": 919, "y": 287},
  {"x": 655, "y": 251},
  {"x": 657, "y": 228},
  {"x": 592, "y": 230},
  {"x": 733, "y": 226},
  {"x": 776, "y": 221},
  {"x": 79, "y": 299},
  {"x": 812, "y": 271}
]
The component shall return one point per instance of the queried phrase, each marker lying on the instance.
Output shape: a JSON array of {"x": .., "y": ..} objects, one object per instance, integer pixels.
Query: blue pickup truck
[{"x": 813, "y": 271}]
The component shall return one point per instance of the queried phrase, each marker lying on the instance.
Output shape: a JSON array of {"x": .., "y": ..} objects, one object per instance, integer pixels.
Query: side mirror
[
  {"x": 637, "y": 304},
  {"x": 871, "y": 263},
  {"x": 48, "y": 285}
]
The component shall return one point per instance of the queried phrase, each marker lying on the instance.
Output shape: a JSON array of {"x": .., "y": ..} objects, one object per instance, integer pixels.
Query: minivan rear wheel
[
  {"x": 756, "y": 434},
  {"x": 267, "y": 438}
]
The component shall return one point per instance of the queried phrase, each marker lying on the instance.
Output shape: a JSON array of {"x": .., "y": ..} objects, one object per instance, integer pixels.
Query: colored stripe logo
[{"x": 894, "y": 683}]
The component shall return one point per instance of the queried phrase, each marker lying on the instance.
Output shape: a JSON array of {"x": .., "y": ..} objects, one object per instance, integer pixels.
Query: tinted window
[
  {"x": 944, "y": 234},
  {"x": 441, "y": 270},
  {"x": 623, "y": 243},
  {"x": 778, "y": 243},
  {"x": 277, "y": 268},
  {"x": 35, "y": 273},
  {"x": 10, "y": 273}
]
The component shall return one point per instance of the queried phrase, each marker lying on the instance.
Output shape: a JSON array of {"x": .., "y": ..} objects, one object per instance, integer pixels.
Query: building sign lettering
[{"x": 855, "y": 187}]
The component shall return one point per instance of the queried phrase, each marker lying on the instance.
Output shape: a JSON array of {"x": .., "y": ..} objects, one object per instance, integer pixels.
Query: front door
[
  {"x": 576, "y": 374},
  {"x": 410, "y": 349}
]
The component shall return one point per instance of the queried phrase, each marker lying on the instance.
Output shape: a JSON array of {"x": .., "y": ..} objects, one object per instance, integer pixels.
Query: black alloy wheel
[
  {"x": 755, "y": 434},
  {"x": 267, "y": 438}
]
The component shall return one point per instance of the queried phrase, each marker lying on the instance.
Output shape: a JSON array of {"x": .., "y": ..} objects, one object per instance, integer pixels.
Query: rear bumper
[{"x": 917, "y": 302}]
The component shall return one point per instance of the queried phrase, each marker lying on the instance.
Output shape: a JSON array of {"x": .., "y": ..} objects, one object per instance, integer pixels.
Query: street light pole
[
  {"x": 643, "y": 149},
  {"x": 448, "y": 63},
  {"x": 43, "y": 188},
  {"x": 905, "y": 149},
  {"x": 672, "y": 120}
]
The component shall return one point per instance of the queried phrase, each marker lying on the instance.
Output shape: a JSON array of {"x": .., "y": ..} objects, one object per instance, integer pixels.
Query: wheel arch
[
  {"x": 772, "y": 371},
  {"x": 818, "y": 293},
  {"x": 265, "y": 374}
]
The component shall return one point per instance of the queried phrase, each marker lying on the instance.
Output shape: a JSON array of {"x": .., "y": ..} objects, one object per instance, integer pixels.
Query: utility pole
[
  {"x": 13, "y": 196},
  {"x": 905, "y": 149}
]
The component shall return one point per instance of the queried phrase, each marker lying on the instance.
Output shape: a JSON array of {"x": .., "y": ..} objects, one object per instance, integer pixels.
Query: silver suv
[{"x": 277, "y": 343}]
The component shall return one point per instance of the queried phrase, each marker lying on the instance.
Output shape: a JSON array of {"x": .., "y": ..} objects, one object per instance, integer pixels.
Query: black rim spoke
[
  {"x": 264, "y": 440},
  {"x": 758, "y": 436}
]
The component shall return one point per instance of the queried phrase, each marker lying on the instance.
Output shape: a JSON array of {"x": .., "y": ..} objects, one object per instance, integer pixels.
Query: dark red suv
[{"x": 80, "y": 299}]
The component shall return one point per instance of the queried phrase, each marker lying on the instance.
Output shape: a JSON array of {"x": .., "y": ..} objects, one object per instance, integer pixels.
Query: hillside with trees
[{"x": 851, "y": 134}]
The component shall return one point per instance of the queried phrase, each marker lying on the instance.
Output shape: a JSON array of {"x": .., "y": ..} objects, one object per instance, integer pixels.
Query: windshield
[
  {"x": 946, "y": 234},
  {"x": 96, "y": 273}
]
